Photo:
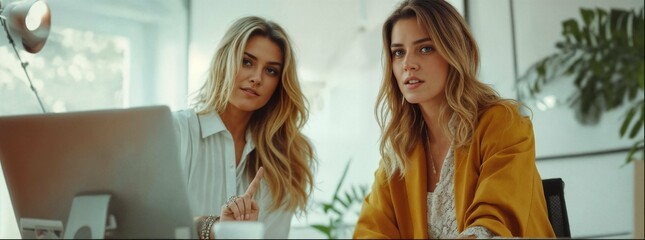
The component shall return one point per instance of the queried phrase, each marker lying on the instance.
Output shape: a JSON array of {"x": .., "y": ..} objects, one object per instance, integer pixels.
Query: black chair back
[{"x": 554, "y": 195}]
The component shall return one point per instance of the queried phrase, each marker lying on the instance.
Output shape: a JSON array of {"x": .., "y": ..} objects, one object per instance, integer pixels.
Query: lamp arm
[{"x": 22, "y": 63}]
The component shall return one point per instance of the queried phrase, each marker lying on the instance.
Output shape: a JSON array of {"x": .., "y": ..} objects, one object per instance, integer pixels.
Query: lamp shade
[{"x": 28, "y": 22}]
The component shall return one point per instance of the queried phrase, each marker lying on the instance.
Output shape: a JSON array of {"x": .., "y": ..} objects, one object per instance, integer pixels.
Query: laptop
[{"x": 94, "y": 174}]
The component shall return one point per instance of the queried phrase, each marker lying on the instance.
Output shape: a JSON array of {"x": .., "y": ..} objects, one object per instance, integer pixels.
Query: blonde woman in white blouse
[{"x": 244, "y": 156}]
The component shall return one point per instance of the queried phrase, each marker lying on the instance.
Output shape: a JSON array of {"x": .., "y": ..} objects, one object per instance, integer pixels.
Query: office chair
[{"x": 554, "y": 195}]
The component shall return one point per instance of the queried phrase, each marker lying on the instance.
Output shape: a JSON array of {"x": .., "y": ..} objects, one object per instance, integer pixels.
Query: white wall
[{"x": 598, "y": 190}]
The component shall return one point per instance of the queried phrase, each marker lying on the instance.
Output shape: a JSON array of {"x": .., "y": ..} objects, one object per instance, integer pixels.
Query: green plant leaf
[
  {"x": 580, "y": 78},
  {"x": 349, "y": 198},
  {"x": 327, "y": 207},
  {"x": 586, "y": 34},
  {"x": 345, "y": 204},
  {"x": 638, "y": 145},
  {"x": 587, "y": 15},
  {"x": 541, "y": 68},
  {"x": 324, "y": 229},
  {"x": 641, "y": 73},
  {"x": 342, "y": 179},
  {"x": 619, "y": 26},
  {"x": 601, "y": 24},
  {"x": 572, "y": 68},
  {"x": 632, "y": 93},
  {"x": 637, "y": 31},
  {"x": 338, "y": 212},
  {"x": 570, "y": 28},
  {"x": 627, "y": 121},
  {"x": 637, "y": 125},
  {"x": 355, "y": 194}
]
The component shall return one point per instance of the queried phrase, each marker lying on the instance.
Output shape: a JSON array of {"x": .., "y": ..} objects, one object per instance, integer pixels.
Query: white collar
[{"x": 211, "y": 123}]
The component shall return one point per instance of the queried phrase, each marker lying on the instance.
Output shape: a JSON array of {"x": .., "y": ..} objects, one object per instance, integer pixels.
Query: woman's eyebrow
[
  {"x": 256, "y": 58},
  {"x": 415, "y": 42}
]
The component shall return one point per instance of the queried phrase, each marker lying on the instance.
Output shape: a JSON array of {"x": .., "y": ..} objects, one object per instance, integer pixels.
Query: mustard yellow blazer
[{"x": 497, "y": 186}]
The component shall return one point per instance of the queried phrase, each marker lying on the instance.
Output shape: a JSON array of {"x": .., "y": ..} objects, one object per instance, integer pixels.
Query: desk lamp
[{"x": 27, "y": 22}]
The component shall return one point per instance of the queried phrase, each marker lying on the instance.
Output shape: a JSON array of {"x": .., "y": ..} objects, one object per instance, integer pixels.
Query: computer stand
[{"x": 87, "y": 218}]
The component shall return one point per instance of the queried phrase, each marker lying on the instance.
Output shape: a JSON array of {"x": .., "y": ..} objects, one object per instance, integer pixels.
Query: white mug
[{"x": 239, "y": 230}]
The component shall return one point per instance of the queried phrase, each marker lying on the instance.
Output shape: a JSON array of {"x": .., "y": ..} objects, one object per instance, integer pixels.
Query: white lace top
[{"x": 442, "y": 219}]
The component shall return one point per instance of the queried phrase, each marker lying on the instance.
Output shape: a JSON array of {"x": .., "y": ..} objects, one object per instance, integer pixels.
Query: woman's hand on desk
[{"x": 243, "y": 207}]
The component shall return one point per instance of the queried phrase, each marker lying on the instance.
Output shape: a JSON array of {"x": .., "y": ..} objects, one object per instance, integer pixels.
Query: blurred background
[{"x": 117, "y": 54}]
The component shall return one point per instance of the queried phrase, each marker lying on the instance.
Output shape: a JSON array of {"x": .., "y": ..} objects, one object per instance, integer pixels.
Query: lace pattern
[
  {"x": 442, "y": 219},
  {"x": 478, "y": 231}
]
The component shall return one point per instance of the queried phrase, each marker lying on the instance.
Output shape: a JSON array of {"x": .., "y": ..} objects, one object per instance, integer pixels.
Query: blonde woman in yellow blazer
[{"x": 457, "y": 160}]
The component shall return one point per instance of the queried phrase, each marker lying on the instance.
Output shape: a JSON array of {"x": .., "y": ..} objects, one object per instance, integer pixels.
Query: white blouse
[
  {"x": 442, "y": 219},
  {"x": 208, "y": 159}
]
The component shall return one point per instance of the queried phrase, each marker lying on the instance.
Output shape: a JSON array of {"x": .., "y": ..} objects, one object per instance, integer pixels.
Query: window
[
  {"x": 78, "y": 70},
  {"x": 100, "y": 54}
]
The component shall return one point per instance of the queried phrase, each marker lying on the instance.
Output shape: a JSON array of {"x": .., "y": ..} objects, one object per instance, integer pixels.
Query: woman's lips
[
  {"x": 412, "y": 83},
  {"x": 250, "y": 92}
]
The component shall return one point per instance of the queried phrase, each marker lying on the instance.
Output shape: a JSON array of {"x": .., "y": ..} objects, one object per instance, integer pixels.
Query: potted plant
[
  {"x": 340, "y": 205},
  {"x": 603, "y": 56}
]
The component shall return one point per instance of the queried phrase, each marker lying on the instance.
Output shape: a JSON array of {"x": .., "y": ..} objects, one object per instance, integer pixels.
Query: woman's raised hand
[{"x": 243, "y": 207}]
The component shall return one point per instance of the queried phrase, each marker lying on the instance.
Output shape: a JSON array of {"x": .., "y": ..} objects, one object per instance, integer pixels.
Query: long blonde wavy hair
[
  {"x": 280, "y": 147},
  {"x": 467, "y": 98}
]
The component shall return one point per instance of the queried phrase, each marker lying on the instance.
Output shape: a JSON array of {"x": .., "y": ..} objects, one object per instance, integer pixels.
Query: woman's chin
[{"x": 246, "y": 107}]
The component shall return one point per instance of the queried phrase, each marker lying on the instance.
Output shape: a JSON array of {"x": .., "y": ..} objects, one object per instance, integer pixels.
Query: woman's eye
[
  {"x": 397, "y": 53},
  {"x": 426, "y": 49},
  {"x": 246, "y": 62},
  {"x": 272, "y": 71}
]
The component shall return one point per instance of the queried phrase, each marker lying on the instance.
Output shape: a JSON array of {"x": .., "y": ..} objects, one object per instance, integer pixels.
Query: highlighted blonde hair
[
  {"x": 280, "y": 147},
  {"x": 467, "y": 98}
]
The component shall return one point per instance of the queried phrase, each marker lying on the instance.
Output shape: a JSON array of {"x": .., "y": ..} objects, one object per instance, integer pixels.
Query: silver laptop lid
[{"x": 130, "y": 155}]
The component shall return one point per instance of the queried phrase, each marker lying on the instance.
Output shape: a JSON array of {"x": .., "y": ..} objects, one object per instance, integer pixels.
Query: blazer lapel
[{"x": 416, "y": 187}]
